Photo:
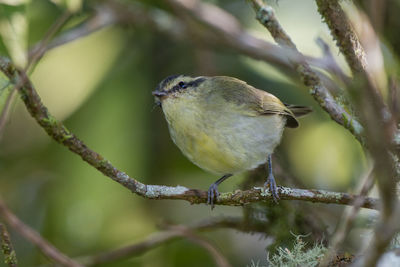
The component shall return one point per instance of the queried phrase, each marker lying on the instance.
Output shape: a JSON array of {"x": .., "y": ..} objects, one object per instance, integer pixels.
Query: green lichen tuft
[{"x": 298, "y": 255}]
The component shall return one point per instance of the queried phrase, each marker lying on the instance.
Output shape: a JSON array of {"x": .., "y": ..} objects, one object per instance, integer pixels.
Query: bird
[{"x": 224, "y": 125}]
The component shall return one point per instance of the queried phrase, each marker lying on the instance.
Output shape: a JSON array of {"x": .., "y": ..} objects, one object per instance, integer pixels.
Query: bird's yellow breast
[{"x": 221, "y": 141}]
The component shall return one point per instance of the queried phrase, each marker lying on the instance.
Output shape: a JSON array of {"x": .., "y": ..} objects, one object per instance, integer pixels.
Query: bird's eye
[{"x": 182, "y": 85}]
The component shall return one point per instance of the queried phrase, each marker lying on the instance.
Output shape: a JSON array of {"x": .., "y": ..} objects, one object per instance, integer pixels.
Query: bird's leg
[
  {"x": 271, "y": 181},
  {"x": 213, "y": 190}
]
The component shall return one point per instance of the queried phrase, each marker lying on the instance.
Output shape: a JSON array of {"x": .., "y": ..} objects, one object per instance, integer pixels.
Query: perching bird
[{"x": 223, "y": 125}]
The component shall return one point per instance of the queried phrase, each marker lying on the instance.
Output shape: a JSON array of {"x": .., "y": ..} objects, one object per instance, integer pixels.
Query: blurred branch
[
  {"x": 103, "y": 17},
  {"x": 219, "y": 259},
  {"x": 10, "y": 257},
  {"x": 33, "y": 57},
  {"x": 40, "y": 48},
  {"x": 151, "y": 242},
  {"x": 34, "y": 237},
  {"x": 328, "y": 62},
  {"x": 6, "y": 110},
  {"x": 266, "y": 16},
  {"x": 62, "y": 135},
  {"x": 347, "y": 219},
  {"x": 173, "y": 232}
]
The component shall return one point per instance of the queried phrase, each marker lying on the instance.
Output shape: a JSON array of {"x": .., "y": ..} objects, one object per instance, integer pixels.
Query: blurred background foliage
[{"x": 100, "y": 87}]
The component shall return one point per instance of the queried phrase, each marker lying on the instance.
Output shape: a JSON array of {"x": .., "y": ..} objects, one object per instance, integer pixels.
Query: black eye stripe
[{"x": 184, "y": 86}]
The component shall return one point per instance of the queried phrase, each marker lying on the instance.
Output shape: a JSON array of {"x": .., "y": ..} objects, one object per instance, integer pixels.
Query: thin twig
[
  {"x": 219, "y": 259},
  {"x": 6, "y": 110},
  {"x": 103, "y": 17},
  {"x": 152, "y": 242},
  {"x": 10, "y": 257},
  {"x": 62, "y": 135},
  {"x": 163, "y": 237},
  {"x": 40, "y": 48},
  {"x": 33, "y": 57},
  {"x": 35, "y": 238},
  {"x": 331, "y": 64}
]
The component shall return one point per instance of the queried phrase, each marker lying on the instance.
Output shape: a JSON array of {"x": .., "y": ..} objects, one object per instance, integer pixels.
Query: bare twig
[
  {"x": 162, "y": 237},
  {"x": 34, "y": 56},
  {"x": 103, "y": 17},
  {"x": 63, "y": 136},
  {"x": 219, "y": 259},
  {"x": 149, "y": 243},
  {"x": 40, "y": 48},
  {"x": 172, "y": 233},
  {"x": 331, "y": 64},
  {"x": 10, "y": 257},
  {"x": 34, "y": 237},
  {"x": 6, "y": 110}
]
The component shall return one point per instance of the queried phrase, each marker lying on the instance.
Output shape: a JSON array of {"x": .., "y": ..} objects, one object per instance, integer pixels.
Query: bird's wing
[{"x": 252, "y": 101}]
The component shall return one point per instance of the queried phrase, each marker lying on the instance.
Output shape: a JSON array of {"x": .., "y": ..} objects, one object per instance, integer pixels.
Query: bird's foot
[
  {"x": 212, "y": 194},
  {"x": 271, "y": 184}
]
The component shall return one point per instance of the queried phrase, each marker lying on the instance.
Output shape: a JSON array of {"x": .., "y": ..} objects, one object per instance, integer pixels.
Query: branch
[
  {"x": 40, "y": 48},
  {"x": 62, "y": 135},
  {"x": 219, "y": 259},
  {"x": 6, "y": 110},
  {"x": 34, "y": 237},
  {"x": 102, "y": 18},
  {"x": 10, "y": 257},
  {"x": 162, "y": 237},
  {"x": 266, "y": 16},
  {"x": 346, "y": 39}
]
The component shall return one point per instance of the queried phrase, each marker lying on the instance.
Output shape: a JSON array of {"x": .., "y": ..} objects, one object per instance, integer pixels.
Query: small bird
[{"x": 225, "y": 126}]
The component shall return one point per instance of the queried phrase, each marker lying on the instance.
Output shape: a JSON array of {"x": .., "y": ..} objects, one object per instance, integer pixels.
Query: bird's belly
[{"x": 230, "y": 145}]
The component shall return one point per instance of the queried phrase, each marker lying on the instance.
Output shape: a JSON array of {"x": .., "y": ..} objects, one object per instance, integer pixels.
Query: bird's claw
[
  {"x": 271, "y": 184},
  {"x": 212, "y": 194}
]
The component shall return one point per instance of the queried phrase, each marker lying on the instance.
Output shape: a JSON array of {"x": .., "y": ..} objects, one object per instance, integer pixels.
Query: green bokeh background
[{"x": 100, "y": 87}]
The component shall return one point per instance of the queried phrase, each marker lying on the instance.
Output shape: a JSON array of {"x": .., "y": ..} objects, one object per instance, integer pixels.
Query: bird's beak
[
  {"x": 158, "y": 96},
  {"x": 159, "y": 93}
]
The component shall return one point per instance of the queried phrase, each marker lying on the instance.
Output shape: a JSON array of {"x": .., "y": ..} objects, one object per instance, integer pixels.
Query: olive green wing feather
[{"x": 252, "y": 101}]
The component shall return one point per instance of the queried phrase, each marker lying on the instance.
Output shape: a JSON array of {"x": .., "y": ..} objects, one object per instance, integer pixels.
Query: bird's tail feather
[{"x": 299, "y": 111}]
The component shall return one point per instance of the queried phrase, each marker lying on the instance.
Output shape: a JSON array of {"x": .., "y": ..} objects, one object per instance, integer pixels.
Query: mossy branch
[{"x": 10, "y": 257}]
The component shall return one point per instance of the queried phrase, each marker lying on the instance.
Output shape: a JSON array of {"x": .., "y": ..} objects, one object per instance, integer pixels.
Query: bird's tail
[{"x": 299, "y": 111}]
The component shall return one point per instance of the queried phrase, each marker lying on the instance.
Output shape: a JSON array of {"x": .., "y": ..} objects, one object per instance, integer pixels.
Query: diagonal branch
[
  {"x": 28, "y": 233},
  {"x": 62, "y": 135},
  {"x": 172, "y": 232}
]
